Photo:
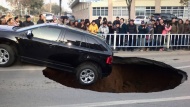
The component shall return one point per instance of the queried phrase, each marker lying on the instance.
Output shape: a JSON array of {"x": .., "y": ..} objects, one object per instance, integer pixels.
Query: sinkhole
[{"x": 129, "y": 74}]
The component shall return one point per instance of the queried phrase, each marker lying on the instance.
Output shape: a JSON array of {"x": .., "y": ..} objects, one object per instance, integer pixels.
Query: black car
[
  {"x": 167, "y": 17},
  {"x": 57, "y": 46}
]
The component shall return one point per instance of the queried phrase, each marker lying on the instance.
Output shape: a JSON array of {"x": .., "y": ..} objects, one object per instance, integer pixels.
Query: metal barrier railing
[{"x": 147, "y": 40}]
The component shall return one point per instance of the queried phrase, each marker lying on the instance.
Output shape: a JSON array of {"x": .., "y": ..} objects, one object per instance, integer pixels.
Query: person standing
[
  {"x": 117, "y": 30},
  {"x": 104, "y": 28},
  {"x": 123, "y": 31},
  {"x": 132, "y": 29},
  {"x": 159, "y": 29},
  {"x": 187, "y": 33},
  {"x": 76, "y": 24},
  {"x": 93, "y": 28},
  {"x": 60, "y": 20},
  {"x": 10, "y": 22},
  {"x": 173, "y": 32},
  {"x": 65, "y": 20},
  {"x": 143, "y": 29},
  {"x": 41, "y": 19},
  {"x": 81, "y": 25},
  {"x": 153, "y": 26},
  {"x": 105, "y": 20},
  {"x": 167, "y": 29},
  {"x": 28, "y": 22},
  {"x": 3, "y": 21},
  {"x": 186, "y": 27},
  {"x": 111, "y": 32},
  {"x": 98, "y": 21},
  {"x": 116, "y": 21},
  {"x": 18, "y": 22},
  {"x": 180, "y": 40},
  {"x": 87, "y": 24},
  {"x": 70, "y": 23}
]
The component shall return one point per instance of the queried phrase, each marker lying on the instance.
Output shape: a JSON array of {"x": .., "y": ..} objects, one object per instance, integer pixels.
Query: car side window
[
  {"x": 73, "y": 38},
  {"x": 93, "y": 44},
  {"x": 47, "y": 33}
]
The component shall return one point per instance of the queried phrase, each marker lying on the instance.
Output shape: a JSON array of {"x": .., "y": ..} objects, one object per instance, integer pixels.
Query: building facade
[{"x": 113, "y": 8}]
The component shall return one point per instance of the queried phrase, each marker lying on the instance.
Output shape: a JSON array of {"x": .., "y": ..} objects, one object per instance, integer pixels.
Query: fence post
[
  {"x": 114, "y": 43},
  {"x": 168, "y": 42}
]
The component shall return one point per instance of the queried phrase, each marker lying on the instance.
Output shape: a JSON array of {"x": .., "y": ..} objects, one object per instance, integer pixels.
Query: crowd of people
[
  {"x": 136, "y": 34},
  {"x": 124, "y": 29}
]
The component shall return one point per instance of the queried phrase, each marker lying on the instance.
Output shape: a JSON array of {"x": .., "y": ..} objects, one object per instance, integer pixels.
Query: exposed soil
[{"x": 128, "y": 75}]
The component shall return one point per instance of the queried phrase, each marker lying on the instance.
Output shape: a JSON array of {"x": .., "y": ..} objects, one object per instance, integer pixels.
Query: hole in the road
[{"x": 128, "y": 75}]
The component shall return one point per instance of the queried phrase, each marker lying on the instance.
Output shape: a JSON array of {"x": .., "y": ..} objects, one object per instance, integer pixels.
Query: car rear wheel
[
  {"x": 87, "y": 73},
  {"x": 7, "y": 55}
]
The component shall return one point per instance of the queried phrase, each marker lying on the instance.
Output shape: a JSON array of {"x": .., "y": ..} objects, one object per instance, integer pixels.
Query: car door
[
  {"x": 71, "y": 49},
  {"x": 38, "y": 48}
]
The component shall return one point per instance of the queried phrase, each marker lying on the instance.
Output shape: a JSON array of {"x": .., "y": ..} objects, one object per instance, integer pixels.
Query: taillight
[{"x": 109, "y": 60}]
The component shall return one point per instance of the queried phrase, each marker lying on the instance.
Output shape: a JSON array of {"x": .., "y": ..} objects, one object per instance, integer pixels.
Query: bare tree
[
  {"x": 184, "y": 2},
  {"x": 128, "y": 2}
]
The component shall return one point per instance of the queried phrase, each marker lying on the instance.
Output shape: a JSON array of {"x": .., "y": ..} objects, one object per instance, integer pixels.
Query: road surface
[{"x": 25, "y": 86}]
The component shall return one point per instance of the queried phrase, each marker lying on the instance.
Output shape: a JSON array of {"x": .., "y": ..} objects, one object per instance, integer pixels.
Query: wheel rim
[
  {"x": 87, "y": 76},
  {"x": 4, "y": 56}
]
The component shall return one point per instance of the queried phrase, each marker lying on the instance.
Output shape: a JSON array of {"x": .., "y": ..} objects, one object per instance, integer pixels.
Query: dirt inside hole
[{"x": 128, "y": 75}]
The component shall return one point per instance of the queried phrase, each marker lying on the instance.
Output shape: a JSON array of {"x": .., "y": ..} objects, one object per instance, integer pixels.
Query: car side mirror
[{"x": 29, "y": 34}]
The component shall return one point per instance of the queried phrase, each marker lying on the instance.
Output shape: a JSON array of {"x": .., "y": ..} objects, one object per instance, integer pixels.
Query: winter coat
[
  {"x": 132, "y": 29},
  {"x": 166, "y": 30},
  {"x": 123, "y": 29},
  {"x": 93, "y": 29},
  {"x": 186, "y": 29},
  {"x": 142, "y": 30},
  {"x": 111, "y": 30},
  {"x": 27, "y": 23},
  {"x": 117, "y": 30},
  {"x": 116, "y": 22},
  {"x": 40, "y": 21},
  {"x": 80, "y": 26},
  {"x": 180, "y": 29},
  {"x": 19, "y": 24},
  {"x": 104, "y": 29},
  {"x": 159, "y": 28},
  {"x": 174, "y": 29},
  {"x": 98, "y": 22}
]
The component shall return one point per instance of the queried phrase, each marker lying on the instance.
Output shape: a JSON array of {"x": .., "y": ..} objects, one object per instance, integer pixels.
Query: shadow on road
[{"x": 128, "y": 75}]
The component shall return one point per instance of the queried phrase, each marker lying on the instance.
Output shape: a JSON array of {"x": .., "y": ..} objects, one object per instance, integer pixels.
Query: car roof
[
  {"x": 7, "y": 28},
  {"x": 57, "y": 25}
]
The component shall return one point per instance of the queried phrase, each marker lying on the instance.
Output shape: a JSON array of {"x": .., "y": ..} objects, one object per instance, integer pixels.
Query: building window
[
  {"x": 186, "y": 12},
  {"x": 179, "y": 11},
  {"x": 144, "y": 11},
  {"x": 120, "y": 11},
  {"x": 100, "y": 11}
]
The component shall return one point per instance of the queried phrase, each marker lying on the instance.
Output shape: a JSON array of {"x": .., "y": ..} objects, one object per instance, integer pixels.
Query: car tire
[
  {"x": 88, "y": 73},
  {"x": 7, "y": 55}
]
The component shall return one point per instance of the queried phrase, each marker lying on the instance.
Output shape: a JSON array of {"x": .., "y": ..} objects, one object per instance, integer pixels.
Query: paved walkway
[{"x": 171, "y": 57}]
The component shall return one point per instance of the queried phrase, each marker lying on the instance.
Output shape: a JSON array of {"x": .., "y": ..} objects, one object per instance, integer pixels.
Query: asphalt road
[{"x": 25, "y": 86}]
